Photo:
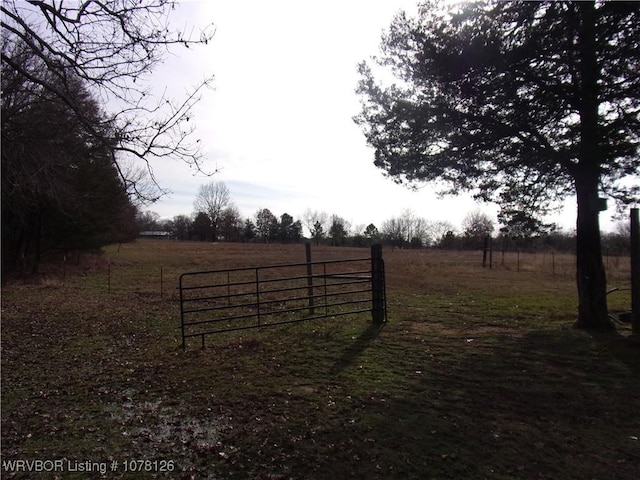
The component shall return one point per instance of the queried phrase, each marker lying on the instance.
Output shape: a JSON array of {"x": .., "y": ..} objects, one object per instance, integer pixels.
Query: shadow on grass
[
  {"x": 358, "y": 347},
  {"x": 546, "y": 404},
  {"x": 624, "y": 348}
]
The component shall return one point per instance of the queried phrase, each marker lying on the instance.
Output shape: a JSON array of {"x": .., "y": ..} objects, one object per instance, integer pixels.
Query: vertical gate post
[
  {"x": 307, "y": 248},
  {"x": 635, "y": 271},
  {"x": 377, "y": 284},
  {"x": 184, "y": 345}
]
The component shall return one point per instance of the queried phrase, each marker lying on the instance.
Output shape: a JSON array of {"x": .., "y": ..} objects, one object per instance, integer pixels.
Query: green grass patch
[{"x": 477, "y": 374}]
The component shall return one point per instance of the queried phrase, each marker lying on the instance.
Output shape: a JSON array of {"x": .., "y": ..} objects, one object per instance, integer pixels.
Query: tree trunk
[{"x": 590, "y": 273}]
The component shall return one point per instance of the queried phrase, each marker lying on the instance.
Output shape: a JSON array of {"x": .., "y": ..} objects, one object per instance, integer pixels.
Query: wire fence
[
  {"x": 119, "y": 279},
  {"x": 108, "y": 276},
  {"x": 555, "y": 264}
]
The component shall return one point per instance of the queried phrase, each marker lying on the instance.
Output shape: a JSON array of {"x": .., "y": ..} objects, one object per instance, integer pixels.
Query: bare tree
[
  {"x": 112, "y": 46},
  {"x": 148, "y": 221},
  {"x": 407, "y": 228},
  {"x": 313, "y": 218},
  {"x": 212, "y": 199},
  {"x": 476, "y": 225},
  {"x": 393, "y": 231},
  {"x": 438, "y": 230}
]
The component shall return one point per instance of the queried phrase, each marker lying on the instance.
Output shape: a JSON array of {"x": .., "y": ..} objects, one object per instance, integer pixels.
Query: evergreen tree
[
  {"x": 266, "y": 225},
  {"x": 202, "y": 227},
  {"x": 522, "y": 103},
  {"x": 249, "y": 232},
  {"x": 60, "y": 187},
  {"x": 317, "y": 232}
]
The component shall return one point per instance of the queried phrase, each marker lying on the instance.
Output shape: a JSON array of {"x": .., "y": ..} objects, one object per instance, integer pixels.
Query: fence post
[
  {"x": 484, "y": 252},
  {"x": 490, "y": 253},
  {"x": 635, "y": 271},
  {"x": 377, "y": 285},
  {"x": 307, "y": 248}
]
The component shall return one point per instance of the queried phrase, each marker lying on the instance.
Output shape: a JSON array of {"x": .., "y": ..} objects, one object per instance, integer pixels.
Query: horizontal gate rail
[{"x": 226, "y": 300}]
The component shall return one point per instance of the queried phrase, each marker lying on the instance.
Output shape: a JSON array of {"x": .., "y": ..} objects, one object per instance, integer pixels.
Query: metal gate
[{"x": 242, "y": 298}]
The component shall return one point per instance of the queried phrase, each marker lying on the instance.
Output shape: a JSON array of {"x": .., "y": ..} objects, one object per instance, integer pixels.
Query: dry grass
[{"x": 478, "y": 374}]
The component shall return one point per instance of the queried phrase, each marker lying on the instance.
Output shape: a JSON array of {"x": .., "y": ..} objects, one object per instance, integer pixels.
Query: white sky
[{"x": 279, "y": 123}]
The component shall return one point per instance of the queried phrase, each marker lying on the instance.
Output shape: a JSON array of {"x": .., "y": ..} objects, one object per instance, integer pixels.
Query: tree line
[
  {"x": 61, "y": 191},
  {"x": 216, "y": 218}
]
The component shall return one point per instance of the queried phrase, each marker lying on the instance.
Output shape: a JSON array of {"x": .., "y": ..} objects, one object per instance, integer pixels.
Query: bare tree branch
[{"x": 113, "y": 46}]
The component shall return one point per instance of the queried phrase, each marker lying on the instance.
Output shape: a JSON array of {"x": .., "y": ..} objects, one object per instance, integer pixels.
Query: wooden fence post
[
  {"x": 307, "y": 248},
  {"x": 378, "y": 312},
  {"x": 490, "y": 253},
  {"x": 635, "y": 271},
  {"x": 485, "y": 248}
]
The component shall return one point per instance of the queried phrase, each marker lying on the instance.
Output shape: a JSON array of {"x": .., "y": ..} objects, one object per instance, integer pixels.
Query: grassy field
[{"x": 477, "y": 374}]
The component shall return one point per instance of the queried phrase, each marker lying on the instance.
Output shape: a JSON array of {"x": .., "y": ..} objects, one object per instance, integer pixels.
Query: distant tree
[
  {"x": 201, "y": 227},
  {"x": 285, "y": 228},
  {"x": 407, "y": 229},
  {"x": 312, "y": 217},
  {"x": 476, "y": 226},
  {"x": 148, "y": 221},
  {"x": 520, "y": 226},
  {"x": 317, "y": 232},
  {"x": 266, "y": 225},
  {"x": 212, "y": 199},
  {"x": 358, "y": 240},
  {"x": 182, "y": 226},
  {"x": 338, "y": 231},
  {"x": 111, "y": 47},
  {"x": 371, "y": 233},
  {"x": 560, "y": 240},
  {"x": 296, "y": 231},
  {"x": 394, "y": 232},
  {"x": 618, "y": 242},
  {"x": 438, "y": 230},
  {"x": 523, "y": 103},
  {"x": 448, "y": 240},
  {"x": 289, "y": 231},
  {"x": 249, "y": 231},
  {"x": 416, "y": 229},
  {"x": 416, "y": 242},
  {"x": 231, "y": 224}
]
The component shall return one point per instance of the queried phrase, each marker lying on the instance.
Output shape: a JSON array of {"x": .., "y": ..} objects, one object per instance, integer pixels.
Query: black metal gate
[{"x": 241, "y": 298}]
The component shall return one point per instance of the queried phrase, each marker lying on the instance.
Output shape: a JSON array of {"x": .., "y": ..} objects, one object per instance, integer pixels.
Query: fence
[
  {"x": 560, "y": 264},
  {"x": 242, "y": 298}
]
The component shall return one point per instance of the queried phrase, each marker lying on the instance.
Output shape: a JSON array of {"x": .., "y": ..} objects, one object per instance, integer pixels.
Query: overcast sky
[{"x": 278, "y": 124}]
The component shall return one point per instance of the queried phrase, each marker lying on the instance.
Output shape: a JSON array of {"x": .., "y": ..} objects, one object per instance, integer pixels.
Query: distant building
[{"x": 157, "y": 234}]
